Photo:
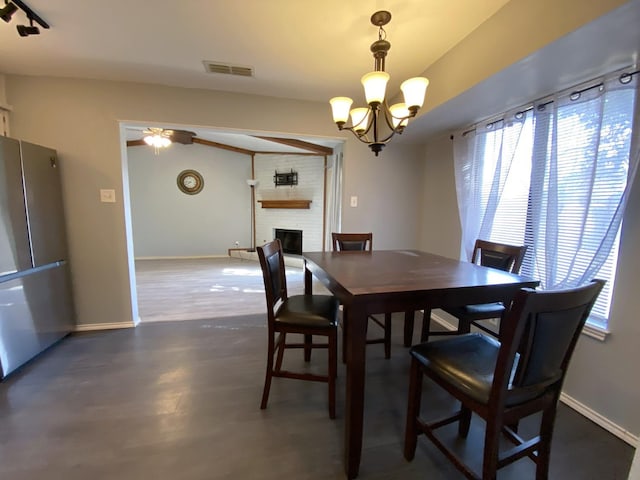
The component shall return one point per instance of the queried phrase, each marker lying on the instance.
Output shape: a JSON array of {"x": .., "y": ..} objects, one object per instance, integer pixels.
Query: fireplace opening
[{"x": 291, "y": 240}]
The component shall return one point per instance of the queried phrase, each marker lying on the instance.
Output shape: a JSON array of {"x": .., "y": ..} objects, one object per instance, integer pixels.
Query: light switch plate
[
  {"x": 107, "y": 195},
  {"x": 354, "y": 201}
]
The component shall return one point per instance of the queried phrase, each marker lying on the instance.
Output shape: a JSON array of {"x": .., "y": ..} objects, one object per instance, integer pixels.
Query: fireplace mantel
[{"x": 305, "y": 204}]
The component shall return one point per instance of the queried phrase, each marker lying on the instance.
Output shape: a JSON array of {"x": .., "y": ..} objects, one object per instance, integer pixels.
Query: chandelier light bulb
[
  {"x": 414, "y": 91},
  {"x": 375, "y": 86},
  {"x": 399, "y": 114},
  {"x": 340, "y": 108},
  {"x": 360, "y": 119}
]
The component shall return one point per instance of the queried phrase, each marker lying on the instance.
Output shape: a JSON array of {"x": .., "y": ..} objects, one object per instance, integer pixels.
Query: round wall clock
[{"x": 190, "y": 182}]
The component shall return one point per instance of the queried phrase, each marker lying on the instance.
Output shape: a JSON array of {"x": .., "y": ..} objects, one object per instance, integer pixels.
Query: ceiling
[{"x": 297, "y": 49}]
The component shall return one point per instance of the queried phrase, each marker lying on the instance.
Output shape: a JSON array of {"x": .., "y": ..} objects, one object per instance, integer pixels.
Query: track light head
[
  {"x": 7, "y": 11},
  {"x": 31, "y": 29}
]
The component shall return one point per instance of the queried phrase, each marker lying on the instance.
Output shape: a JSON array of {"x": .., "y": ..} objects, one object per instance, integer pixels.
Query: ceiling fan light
[
  {"x": 375, "y": 86},
  {"x": 360, "y": 119},
  {"x": 164, "y": 142},
  {"x": 340, "y": 109},
  {"x": 414, "y": 91}
]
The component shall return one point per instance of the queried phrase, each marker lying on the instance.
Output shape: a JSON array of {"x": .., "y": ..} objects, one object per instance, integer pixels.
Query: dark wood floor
[{"x": 180, "y": 400}]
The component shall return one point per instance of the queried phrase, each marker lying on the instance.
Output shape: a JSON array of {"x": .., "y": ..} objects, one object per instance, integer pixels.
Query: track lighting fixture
[
  {"x": 11, "y": 7},
  {"x": 25, "y": 31},
  {"x": 7, "y": 11}
]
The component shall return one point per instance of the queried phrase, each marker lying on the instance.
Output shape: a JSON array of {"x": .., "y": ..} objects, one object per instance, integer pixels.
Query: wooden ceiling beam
[
  {"x": 300, "y": 154},
  {"x": 292, "y": 142},
  {"x": 222, "y": 146},
  {"x": 314, "y": 150}
]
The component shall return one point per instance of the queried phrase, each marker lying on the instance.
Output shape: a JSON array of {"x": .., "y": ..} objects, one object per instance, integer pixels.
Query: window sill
[{"x": 595, "y": 332}]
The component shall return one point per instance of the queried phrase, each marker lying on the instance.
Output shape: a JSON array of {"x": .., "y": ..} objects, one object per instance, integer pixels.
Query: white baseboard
[
  {"x": 88, "y": 327},
  {"x": 289, "y": 260},
  {"x": 579, "y": 407},
  {"x": 598, "y": 419},
  {"x": 181, "y": 257}
]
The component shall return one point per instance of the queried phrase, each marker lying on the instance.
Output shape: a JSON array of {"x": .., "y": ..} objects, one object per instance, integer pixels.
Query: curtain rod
[{"x": 575, "y": 95}]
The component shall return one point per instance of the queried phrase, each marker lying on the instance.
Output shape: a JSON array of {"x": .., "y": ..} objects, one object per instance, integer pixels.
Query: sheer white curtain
[
  {"x": 556, "y": 178},
  {"x": 582, "y": 174},
  {"x": 487, "y": 162}
]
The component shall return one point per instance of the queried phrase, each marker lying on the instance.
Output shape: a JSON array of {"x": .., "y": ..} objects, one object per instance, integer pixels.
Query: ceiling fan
[{"x": 162, "y": 137}]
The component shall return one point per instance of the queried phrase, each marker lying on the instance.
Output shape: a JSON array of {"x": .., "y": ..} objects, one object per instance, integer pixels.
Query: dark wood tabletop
[{"x": 396, "y": 281}]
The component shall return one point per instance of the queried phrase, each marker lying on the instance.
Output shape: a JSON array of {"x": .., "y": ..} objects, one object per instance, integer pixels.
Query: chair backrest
[
  {"x": 352, "y": 242},
  {"x": 273, "y": 274},
  {"x": 540, "y": 332},
  {"x": 499, "y": 255}
]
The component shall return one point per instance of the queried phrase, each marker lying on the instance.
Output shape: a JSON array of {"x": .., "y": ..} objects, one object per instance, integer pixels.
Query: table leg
[
  {"x": 408, "y": 327},
  {"x": 354, "y": 407}
]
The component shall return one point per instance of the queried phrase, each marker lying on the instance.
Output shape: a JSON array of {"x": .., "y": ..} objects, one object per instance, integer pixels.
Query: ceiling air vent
[{"x": 227, "y": 69}]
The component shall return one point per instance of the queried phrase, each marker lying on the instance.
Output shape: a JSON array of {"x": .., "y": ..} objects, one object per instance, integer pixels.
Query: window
[{"x": 554, "y": 177}]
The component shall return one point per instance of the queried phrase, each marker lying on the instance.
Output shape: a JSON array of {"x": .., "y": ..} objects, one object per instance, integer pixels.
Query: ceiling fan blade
[{"x": 182, "y": 136}]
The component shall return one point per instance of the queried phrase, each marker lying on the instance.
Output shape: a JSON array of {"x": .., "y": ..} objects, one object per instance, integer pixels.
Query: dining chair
[
  {"x": 503, "y": 381},
  {"x": 488, "y": 254},
  {"x": 308, "y": 315},
  {"x": 361, "y": 243}
]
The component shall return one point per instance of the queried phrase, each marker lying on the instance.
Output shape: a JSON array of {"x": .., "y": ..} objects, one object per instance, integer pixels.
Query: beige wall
[{"x": 440, "y": 226}]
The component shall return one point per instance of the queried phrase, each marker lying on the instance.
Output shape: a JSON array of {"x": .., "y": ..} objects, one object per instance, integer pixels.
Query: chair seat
[
  {"x": 319, "y": 311},
  {"x": 484, "y": 310},
  {"x": 467, "y": 363}
]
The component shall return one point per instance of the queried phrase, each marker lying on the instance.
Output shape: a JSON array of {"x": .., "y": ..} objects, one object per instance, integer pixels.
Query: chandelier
[{"x": 376, "y": 124}]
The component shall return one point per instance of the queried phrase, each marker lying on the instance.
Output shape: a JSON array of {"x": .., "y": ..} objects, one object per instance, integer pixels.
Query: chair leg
[
  {"x": 307, "y": 347},
  {"x": 464, "y": 326},
  {"x": 544, "y": 449},
  {"x": 413, "y": 410},
  {"x": 426, "y": 325},
  {"x": 408, "y": 327},
  {"x": 490, "y": 457},
  {"x": 387, "y": 335},
  {"x": 333, "y": 372},
  {"x": 269, "y": 373},
  {"x": 464, "y": 423},
  {"x": 279, "y": 347}
]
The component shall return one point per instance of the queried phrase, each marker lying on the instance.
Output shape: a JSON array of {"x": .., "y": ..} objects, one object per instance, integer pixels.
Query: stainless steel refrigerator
[{"x": 36, "y": 305}]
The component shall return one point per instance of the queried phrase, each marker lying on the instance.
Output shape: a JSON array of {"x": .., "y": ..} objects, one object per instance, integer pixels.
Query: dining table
[{"x": 386, "y": 281}]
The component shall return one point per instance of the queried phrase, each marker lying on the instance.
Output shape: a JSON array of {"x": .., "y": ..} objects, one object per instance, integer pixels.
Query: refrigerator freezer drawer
[{"x": 36, "y": 310}]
